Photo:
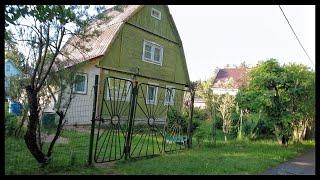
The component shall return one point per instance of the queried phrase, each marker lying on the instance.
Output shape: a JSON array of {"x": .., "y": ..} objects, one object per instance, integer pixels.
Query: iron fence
[{"x": 123, "y": 121}]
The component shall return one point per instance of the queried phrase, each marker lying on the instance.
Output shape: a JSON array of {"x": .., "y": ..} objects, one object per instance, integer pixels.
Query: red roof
[{"x": 235, "y": 74}]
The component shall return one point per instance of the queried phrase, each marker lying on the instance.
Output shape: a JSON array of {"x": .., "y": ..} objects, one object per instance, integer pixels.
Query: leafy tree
[
  {"x": 204, "y": 90},
  {"x": 300, "y": 88},
  {"x": 40, "y": 32},
  {"x": 283, "y": 93},
  {"x": 227, "y": 102}
]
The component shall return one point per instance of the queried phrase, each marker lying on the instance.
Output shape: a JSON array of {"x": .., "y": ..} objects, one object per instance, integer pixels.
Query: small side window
[
  {"x": 156, "y": 14},
  {"x": 118, "y": 90},
  {"x": 80, "y": 85},
  {"x": 169, "y": 96},
  {"x": 152, "y": 92}
]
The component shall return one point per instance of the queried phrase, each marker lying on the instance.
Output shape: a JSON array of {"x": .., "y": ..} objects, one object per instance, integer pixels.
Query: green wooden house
[{"x": 138, "y": 43}]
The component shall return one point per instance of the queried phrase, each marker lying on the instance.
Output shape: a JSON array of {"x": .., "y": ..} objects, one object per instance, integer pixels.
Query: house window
[
  {"x": 80, "y": 85},
  {"x": 119, "y": 90},
  {"x": 152, "y": 92},
  {"x": 169, "y": 96},
  {"x": 156, "y": 13},
  {"x": 152, "y": 52}
]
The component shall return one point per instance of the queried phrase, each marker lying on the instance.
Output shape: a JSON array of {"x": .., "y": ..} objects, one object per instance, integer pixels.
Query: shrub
[
  {"x": 195, "y": 124},
  {"x": 200, "y": 135},
  {"x": 183, "y": 119},
  {"x": 11, "y": 124},
  {"x": 219, "y": 121},
  {"x": 175, "y": 116},
  {"x": 200, "y": 114}
]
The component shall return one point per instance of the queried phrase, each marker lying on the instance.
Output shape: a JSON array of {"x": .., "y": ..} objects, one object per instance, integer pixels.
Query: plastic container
[
  {"x": 48, "y": 120},
  {"x": 15, "y": 108}
]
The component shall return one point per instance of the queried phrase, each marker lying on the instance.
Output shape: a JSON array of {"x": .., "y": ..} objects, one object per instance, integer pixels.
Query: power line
[{"x": 296, "y": 35}]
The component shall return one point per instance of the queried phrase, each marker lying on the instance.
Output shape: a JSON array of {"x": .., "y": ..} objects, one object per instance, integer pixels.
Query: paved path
[{"x": 303, "y": 165}]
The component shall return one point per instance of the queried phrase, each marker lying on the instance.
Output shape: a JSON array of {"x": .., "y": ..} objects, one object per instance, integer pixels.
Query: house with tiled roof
[
  {"x": 228, "y": 80},
  {"x": 135, "y": 39}
]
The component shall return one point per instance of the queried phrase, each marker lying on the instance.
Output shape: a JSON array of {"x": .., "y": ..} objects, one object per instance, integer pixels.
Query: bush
[
  {"x": 48, "y": 120},
  {"x": 195, "y": 124},
  {"x": 235, "y": 125},
  {"x": 264, "y": 129},
  {"x": 219, "y": 121},
  {"x": 200, "y": 135},
  {"x": 233, "y": 133},
  {"x": 181, "y": 118},
  {"x": 200, "y": 114},
  {"x": 257, "y": 128},
  {"x": 11, "y": 124}
]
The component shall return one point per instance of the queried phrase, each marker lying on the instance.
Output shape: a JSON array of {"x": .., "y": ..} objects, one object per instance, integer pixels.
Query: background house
[
  {"x": 11, "y": 71},
  {"x": 229, "y": 80},
  {"x": 199, "y": 103}
]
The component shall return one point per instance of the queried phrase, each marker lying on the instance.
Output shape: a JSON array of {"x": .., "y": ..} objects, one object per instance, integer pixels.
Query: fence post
[
  {"x": 190, "y": 120},
  {"x": 131, "y": 119},
  {"x": 93, "y": 118}
]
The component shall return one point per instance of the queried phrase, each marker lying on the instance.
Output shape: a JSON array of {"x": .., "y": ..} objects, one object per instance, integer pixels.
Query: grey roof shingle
[{"x": 77, "y": 49}]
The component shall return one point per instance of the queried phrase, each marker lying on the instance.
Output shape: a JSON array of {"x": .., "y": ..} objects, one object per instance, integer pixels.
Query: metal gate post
[
  {"x": 131, "y": 119},
  {"x": 93, "y": 119},
  {"x": 190, "y": 120}
]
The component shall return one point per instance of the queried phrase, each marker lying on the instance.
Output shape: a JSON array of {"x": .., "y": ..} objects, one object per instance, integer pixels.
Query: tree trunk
[
  {"x": 240, "y": 127},
  {"x": 31, "y": 134},
  {"x": 225, "y": 138},
  {"x": 213, "y": 117},
  {"x": 23, "y": 119},
  {"x": 58, "y": 132}
]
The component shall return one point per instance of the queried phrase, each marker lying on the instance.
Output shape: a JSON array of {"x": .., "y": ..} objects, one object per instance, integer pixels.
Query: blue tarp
[{"x": 15, "y": 108}]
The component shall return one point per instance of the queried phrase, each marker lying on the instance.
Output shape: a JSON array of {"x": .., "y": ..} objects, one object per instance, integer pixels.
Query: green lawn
[
  {"x": 226, "y": 158},
  {"x": 233, "y": 157}
]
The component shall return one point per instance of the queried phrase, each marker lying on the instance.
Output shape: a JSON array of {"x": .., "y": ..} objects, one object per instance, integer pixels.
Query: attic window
[{"x": 156, "y": 14}]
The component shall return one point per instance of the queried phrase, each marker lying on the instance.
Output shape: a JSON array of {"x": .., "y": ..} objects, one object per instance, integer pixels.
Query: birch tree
[{"x": 227, "y": 102}]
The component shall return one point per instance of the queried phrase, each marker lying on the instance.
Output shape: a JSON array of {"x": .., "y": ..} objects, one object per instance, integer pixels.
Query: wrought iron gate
[{"x": 140, "y": 120}]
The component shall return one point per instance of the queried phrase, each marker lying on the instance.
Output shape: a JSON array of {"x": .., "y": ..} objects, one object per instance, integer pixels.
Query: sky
[{"x": 216, "y": 35}]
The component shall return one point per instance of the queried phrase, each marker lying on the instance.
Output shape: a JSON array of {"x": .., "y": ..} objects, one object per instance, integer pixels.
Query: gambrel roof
[
  {"x": 96, "y": 46},
  {"x": 99, "y": 45}
]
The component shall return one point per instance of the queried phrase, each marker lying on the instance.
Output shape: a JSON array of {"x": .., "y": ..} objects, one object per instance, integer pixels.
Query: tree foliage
[
  {"x": 39, "y": 33},
  {"x": 285, "y": 93},
  {"x": 225, "y": 107},
  {"x": 204, "y": 91}
]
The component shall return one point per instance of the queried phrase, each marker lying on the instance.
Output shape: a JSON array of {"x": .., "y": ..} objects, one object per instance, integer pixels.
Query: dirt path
[{"x": 303, "y": 165}]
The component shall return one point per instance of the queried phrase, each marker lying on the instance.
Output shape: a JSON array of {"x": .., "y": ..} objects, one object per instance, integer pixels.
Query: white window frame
[
  {"x": 173, "y": 90},
  {"x": 127, "y": 90},
  {"x": 153, "y": 9},
  {"x": 153, "y": 44},
  {"x": 85, "y": 84},
  {"x": 156, "y": 94}
]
